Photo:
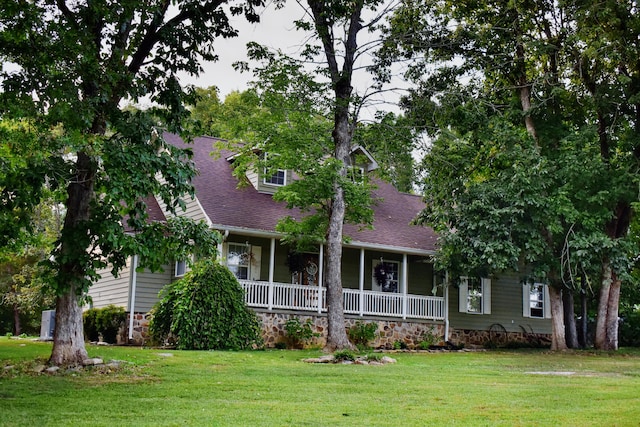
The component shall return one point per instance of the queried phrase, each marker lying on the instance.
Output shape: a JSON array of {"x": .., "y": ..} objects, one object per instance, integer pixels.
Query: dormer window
[{"x": 279, "y": 178}]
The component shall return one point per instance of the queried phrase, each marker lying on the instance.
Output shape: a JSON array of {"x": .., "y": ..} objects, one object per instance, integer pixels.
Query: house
[{"x": 388, "y": 272}]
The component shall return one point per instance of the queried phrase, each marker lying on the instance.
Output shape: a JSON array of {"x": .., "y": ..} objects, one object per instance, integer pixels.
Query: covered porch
[
  {"x": 285, "y": 296},
  {"x": 378, "y": 281}
]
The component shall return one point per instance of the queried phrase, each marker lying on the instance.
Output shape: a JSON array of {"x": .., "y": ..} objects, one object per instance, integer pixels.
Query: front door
[{"x": 308, "y": 272}]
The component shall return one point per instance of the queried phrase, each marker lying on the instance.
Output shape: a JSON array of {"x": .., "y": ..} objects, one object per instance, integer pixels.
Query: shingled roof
[{"x": 230, "y": 207}]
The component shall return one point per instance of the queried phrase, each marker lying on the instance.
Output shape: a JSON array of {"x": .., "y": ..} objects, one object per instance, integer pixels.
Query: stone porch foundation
[{"x": 410, "y": 334}]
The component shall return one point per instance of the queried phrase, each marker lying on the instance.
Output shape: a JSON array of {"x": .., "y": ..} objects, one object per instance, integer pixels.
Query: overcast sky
[{"x": 275, "y": 30}]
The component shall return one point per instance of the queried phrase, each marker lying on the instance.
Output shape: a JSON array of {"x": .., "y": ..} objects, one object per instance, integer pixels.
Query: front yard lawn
[{"x": 275, "y": 388}]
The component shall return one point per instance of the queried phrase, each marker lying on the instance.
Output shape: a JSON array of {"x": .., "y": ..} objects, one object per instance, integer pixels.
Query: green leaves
[{"x": 206, "y": 311}]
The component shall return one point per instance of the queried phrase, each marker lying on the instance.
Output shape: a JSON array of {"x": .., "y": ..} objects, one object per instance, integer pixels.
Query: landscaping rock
[
  {"x": 322, "y": 359},
  {"x": 359, "y": 360},
  {"x": 39, "y": 369},
  {"x": 92, "y": 362},
  {"x": 52, "y": 369}
]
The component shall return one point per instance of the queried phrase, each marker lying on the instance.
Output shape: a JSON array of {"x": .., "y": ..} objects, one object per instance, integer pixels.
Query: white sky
[{"x": 277, "y": 31}]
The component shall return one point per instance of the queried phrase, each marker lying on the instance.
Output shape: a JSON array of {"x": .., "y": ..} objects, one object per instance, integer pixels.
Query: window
[
  {"x": 238, "y": 258},
  {"x": 181, "y": 268},
  {"x": 535, "y": 301},
  {"x": 279, "y": 178},
  {"x": 475, "y": 295},
  {"x": 386, "y": 276}
]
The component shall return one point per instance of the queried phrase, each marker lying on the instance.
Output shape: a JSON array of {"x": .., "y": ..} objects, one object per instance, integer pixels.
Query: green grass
[{"x": 274, "y": 388}]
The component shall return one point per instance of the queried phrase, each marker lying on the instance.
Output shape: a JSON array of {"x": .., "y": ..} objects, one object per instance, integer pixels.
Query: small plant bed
[{"x": 346, "y": 357}]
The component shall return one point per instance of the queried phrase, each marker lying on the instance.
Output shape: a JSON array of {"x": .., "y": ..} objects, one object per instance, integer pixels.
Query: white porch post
[
  {"x": 361, "y": 284},
  {"x": 272, "y": 263},
  {"x": 320, "y": 277},
  {"x": 405, "y": 285},
  {"x": 134, "y": 280}
]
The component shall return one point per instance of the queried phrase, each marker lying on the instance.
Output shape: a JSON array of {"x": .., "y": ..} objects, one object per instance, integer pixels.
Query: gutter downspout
[
  {"x": 225, "y": 234},
  {"x": 320, "y": 278},
  {"x": 446, "y": 306},
  {"x": 405, "y": 285},
  {"x": 134, "y": 280},
  {"x": 361, "y": 284}
]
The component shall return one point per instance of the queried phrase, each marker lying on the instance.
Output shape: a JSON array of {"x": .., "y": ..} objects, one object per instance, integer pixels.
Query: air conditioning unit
[{"x": 48, "y": 325}]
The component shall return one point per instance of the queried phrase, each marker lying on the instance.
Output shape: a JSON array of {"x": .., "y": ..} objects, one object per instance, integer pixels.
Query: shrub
[
  {"x": 205, "y": 310},
  {"x": 344, "y": 355},
  {"x": 111, "y": 319},
  {"x": 297, "y": 333},
  {"x": 106, "y": 321},
  {"x": 428, "y": 339},
  {"x": 630, "y": 328},
  {"x": 399, "y": 345},
  {"x": 361, "y": 334},
  {"x": 374, "y": 357},
  {"x": 90, "y": 324}
]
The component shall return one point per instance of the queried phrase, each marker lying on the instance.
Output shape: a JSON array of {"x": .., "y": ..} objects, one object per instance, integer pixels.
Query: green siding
[
  {"x": 111, "y": 290},
  {"x": 148, "y": 286},
  {"x": 506, "y": 309}
]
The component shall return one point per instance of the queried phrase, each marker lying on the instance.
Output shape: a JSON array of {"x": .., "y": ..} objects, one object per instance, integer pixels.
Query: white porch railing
[{"x": 364, "y": 303}]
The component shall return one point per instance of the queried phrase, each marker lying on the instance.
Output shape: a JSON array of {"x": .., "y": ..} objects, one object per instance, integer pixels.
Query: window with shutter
[{"x": 474, "y": 295}]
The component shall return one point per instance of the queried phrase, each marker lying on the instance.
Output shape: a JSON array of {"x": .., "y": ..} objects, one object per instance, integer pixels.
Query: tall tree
[
  {"x": 337, "y": 25},
  {"x": 75, "y": 63},
  {"x": 507, "y": 65},
  {"x": 315, "y": 114}
]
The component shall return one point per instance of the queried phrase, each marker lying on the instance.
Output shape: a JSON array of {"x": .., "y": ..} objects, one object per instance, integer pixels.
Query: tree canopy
[
  {"x": 534, "y": 155},
  {"x": 73, "y": 66}
]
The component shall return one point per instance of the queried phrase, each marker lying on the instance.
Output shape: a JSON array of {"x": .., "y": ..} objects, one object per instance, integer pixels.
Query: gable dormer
[
  {"x": 263, "y": 180},
  {"x": 361, "y": 158},
  {"x": 269, "y": 181}
]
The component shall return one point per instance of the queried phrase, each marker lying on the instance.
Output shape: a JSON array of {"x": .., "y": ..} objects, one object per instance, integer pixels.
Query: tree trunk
[
  {"x": 17, "y": 327},
  {"x": 68, "y": 338},
  {"x": 600, "y": 339},
  {"x": 606, "y": 337},
  {"x": 612, "y": 314},
  {"x": 583, "y": 337},
  {"x": 336, "y": 333},
  {"x": 571, "y": 333},
  {"x": 558, "y": 341}
]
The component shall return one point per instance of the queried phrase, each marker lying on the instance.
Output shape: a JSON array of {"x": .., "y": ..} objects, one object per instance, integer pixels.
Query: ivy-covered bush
[
  {"x": 105, "y": 321},
  {"x": 205, "y": 310}
]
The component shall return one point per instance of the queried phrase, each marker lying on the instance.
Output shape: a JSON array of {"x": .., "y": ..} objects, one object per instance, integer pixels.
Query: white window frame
[
  {"x": 180, "y": 268},
  {"x": 464, "y": 296},
  {"x": 236, "y": 266},
  {"x": 528, "y": 303},
  {"x": 269, "y": 178}
]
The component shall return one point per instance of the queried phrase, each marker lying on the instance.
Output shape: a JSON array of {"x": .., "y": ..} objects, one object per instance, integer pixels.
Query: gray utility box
[{"x": 48, "y": 325}]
